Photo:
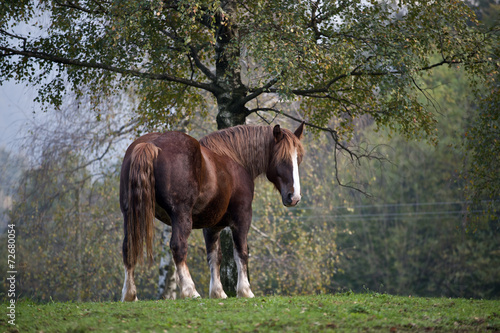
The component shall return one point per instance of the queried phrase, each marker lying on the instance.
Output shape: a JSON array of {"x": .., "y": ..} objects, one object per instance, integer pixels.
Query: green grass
[{"x": 344, "y": 312}]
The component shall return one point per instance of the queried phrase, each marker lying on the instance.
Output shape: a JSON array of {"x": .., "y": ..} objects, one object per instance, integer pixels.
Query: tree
[
  {"x": 10, "y": 171},
  {"x": 340, "y": 59},
  {"x": 337, "y": 60}
]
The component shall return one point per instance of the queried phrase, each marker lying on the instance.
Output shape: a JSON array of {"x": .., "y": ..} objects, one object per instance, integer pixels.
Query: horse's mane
[{"x": 253, "y": 147}]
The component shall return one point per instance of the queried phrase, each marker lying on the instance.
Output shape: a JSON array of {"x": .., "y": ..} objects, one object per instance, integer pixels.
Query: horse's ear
[
  {"x": 300, "y": 131},
  {"x": 278, "y": 135}
]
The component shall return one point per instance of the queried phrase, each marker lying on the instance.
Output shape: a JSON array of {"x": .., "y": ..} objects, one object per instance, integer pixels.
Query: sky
[
  {"x": 16, "y": 108},
  {"x": 16, "y": 99}
]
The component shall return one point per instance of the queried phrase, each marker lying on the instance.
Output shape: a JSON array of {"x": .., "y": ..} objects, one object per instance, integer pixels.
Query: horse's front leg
[
  {"x": 240, "y": 231},
  {"x": 214, "y": 258}
]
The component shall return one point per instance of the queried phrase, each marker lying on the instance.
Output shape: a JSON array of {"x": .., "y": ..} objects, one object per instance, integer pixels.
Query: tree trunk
[
  {"x": 167, "y": 286},
  {"x": 230, "y": 101},
  {"x": 228, "y": 269},
  {"x": 231, "y": 112}
]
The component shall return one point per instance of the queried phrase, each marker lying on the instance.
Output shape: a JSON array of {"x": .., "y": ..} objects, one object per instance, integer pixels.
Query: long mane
[{"x": 253, "y": 147}]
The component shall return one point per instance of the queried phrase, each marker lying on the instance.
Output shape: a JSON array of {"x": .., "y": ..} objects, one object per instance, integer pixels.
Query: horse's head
[{"x": 283, "y": 170}]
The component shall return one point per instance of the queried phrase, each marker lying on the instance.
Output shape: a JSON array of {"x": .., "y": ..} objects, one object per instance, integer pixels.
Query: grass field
[{"x": 343, "y": 312}]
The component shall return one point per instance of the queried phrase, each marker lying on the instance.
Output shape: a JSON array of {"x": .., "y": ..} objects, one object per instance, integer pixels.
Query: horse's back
[
  {"x": 177, "y": 166},
  {"x": 177, "y": 169}
]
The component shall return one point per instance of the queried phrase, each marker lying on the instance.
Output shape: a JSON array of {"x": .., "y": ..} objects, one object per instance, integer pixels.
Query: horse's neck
[
  {"x": 248, "y": 146},
  {"x": 256, "y": 158}
]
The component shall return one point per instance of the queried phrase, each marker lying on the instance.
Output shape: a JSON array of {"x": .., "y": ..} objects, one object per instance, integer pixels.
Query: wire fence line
[
  {"x": 400, "y": 204},
  {"x": 383, "y": 212}
]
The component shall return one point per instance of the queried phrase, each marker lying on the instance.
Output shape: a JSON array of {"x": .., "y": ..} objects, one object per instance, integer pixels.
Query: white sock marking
[
  {"x": 186, "y": 284},
  {"x": 215, "y": 290},
  {"x": 243, "y": 285},
  {"x": 125, "y": 286}
]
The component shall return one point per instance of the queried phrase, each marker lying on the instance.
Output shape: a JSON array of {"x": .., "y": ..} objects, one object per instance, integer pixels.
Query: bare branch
[
  {"x": 333, "y": 132},
  {"x": 339, "y": 146},
  {"x": 110, "y": 138},
  {"x": 427, "y": 96},
  {"x": 263, "y": 119},
  {"x": 259, "y": 231}
]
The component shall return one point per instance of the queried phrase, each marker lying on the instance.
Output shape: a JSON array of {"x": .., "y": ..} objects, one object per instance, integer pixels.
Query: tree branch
[
  {"x": 339, "y": 146},
  {"x": 256, "y": 92},
  {"x": 332, "y": 132},
  {"x": 200, "y": 65},
  {"x": 193, "y": 53},
  {"x": 136, "y": 73},
  {"x": 356, "y": 72},
  {"x": 24, "y": 39},
  {"x": 71, "y": 4}
]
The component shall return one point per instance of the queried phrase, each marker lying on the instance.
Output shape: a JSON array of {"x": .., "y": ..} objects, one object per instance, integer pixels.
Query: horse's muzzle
[{"x": 291, "y": 200}]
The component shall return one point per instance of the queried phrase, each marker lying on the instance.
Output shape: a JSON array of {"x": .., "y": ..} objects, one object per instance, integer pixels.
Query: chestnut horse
[{"x": 207, "y": 184}]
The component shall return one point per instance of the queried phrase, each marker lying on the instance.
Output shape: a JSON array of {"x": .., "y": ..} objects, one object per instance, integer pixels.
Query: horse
[{"x": 206, "y": 184}]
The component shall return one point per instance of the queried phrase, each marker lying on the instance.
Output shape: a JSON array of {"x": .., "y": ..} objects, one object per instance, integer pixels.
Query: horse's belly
[{"x": 211, "y": 215}]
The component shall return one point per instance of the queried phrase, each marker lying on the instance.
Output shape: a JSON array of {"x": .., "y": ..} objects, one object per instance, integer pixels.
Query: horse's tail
[{"x": 141, "y": 203}]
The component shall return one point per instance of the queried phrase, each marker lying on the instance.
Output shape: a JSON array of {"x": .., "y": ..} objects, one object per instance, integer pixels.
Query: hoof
[
  {"x": 190, "y": 293},
  {"x": 129, "y": 298},
  {"x": 245, "y": 293},
  {"x": 218, "y": 294}
]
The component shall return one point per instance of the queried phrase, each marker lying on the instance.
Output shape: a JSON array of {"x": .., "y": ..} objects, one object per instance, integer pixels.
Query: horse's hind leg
[
  {"x": 181, "y": 228},
  {"x": 129, "y": 291},
  {"x": 214, "y": 258}
]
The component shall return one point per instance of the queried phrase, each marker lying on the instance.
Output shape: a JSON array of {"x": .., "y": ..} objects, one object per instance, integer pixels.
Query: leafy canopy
[{"x": 339, "y": 59}]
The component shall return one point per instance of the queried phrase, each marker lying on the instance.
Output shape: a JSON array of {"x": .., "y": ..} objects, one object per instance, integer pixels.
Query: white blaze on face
[{"x": 296, "y": 179}]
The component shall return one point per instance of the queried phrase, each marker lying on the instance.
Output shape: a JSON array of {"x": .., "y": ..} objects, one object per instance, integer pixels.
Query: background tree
[{"x": 10, "y": 171}]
